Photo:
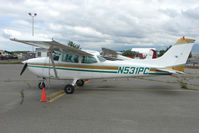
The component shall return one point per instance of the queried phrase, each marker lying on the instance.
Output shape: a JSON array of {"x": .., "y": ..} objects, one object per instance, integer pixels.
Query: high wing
[{"x": 53, "y": 45}]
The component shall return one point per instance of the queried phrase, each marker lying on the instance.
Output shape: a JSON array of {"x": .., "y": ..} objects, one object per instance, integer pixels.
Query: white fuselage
[{"x": 43, "y": 67}]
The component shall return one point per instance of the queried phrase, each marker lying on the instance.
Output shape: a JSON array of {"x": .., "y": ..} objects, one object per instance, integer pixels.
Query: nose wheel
[{"x": 41, "y": 85}]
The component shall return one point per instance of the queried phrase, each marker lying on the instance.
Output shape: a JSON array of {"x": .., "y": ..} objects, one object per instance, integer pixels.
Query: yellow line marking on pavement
[
  {"x": 55, "y": 93},
  {"x": 55, "y": 98}
]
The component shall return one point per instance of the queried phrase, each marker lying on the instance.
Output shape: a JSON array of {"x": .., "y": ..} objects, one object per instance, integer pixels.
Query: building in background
[
  {"x": 41, "y": 52},
  {"x": 195, "y": 54},
  {"x": 25, "y": 56},
  {"x": 194, "y": 60}
]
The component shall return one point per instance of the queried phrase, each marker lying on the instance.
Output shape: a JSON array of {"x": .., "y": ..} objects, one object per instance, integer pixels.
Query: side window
[
  {"x": 70, "y": 58},
  {"x": 75, "y": 58},
  {"x": 56, "y": 55},
  {"x": 87, "y": 59},
  {"x": 64, "y": 57}
]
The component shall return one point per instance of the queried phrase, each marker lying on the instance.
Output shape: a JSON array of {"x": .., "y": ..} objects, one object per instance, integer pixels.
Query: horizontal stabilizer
[{"x": 170, "y": 71}]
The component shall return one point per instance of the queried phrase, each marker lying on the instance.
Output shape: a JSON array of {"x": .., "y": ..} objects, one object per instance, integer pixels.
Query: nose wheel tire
[
  {"x": 69, "y": 89},
  {"x": 80, "y": 82},
  {"x": 41, "y": 85}
]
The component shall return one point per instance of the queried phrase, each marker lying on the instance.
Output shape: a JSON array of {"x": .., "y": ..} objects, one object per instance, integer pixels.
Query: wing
[{"x": 53, "y": 45}]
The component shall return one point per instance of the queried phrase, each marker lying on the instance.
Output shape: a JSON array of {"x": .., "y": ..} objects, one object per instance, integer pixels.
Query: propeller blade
[{"x": 24, "y": 68}]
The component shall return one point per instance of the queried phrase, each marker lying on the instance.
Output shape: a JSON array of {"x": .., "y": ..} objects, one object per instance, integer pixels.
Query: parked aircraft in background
[
  {"x": 149, "y": 53},
  {"x": 113, "y": 55}
]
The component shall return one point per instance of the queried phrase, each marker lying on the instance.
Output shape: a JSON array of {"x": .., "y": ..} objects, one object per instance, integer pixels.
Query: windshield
[{"x": 101, "y": 59}]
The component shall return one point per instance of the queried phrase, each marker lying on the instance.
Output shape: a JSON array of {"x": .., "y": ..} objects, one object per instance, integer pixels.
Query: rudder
[{"x": 176, "y": 57}]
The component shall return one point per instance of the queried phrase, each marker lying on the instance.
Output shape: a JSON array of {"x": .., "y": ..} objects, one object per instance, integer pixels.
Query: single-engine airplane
[{"x": 78, "y": 65}]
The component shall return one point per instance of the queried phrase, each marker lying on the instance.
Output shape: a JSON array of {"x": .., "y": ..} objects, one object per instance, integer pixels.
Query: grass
[
  {"x": 183, "y": 84},
  {"x": 181, "y": 80}
]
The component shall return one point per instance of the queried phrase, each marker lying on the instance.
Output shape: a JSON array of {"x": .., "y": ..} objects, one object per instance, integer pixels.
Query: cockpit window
[
  {"x": 101, "y": 59},
  {"x": 87, "y": 59},
  {"x": 56, "y": 55},
  {"x": 70, "y": 58}
]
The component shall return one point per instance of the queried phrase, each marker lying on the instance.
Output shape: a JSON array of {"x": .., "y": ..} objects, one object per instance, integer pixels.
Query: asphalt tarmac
[{"x": 127, "y": 105}]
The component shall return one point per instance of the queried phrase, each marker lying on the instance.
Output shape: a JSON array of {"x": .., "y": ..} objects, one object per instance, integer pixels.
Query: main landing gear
[
  {"x": 80, "y": 83},
  {"x": 70, "y": 88},
  {"x": 41, "y": 84}
]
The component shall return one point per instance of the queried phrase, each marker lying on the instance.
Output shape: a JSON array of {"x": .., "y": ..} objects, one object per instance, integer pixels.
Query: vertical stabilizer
[{"x": 176, "y": 57}]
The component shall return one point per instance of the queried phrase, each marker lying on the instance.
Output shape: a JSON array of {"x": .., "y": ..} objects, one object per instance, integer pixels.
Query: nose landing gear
[{"x": 41, "y": 85}]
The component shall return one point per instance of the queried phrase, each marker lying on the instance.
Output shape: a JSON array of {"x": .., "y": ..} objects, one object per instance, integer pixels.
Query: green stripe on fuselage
[
  {"x": 86, "y": 70},
  {"x": 74, "y": 69}
]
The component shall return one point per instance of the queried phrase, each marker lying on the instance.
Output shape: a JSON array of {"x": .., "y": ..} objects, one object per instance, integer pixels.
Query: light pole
[{"x": 32, "y": 15}]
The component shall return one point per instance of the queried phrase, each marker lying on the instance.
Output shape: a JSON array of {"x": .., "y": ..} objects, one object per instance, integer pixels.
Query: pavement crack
[{"x": 22, "y": 96}]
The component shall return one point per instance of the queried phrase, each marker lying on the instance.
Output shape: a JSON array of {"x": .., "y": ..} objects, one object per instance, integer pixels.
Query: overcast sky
[{"x": 115, "y": 24}]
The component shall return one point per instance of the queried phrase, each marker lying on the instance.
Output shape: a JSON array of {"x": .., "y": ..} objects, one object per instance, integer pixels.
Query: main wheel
[
  {"x": 80, "y": 82},
  {"x": 69, "y": 89},
  {"x": 41, "y": 85}
]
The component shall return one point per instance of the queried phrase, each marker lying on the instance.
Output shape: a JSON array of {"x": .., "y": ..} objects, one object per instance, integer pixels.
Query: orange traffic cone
[{"x": 43, "y": 97}]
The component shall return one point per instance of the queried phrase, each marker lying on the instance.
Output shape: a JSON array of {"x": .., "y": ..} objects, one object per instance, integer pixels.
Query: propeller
[{"x": 24, "y": 68}]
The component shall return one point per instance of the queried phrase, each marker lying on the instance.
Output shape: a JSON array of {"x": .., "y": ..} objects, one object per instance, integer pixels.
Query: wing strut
[{"x": 53, "y": 63}]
